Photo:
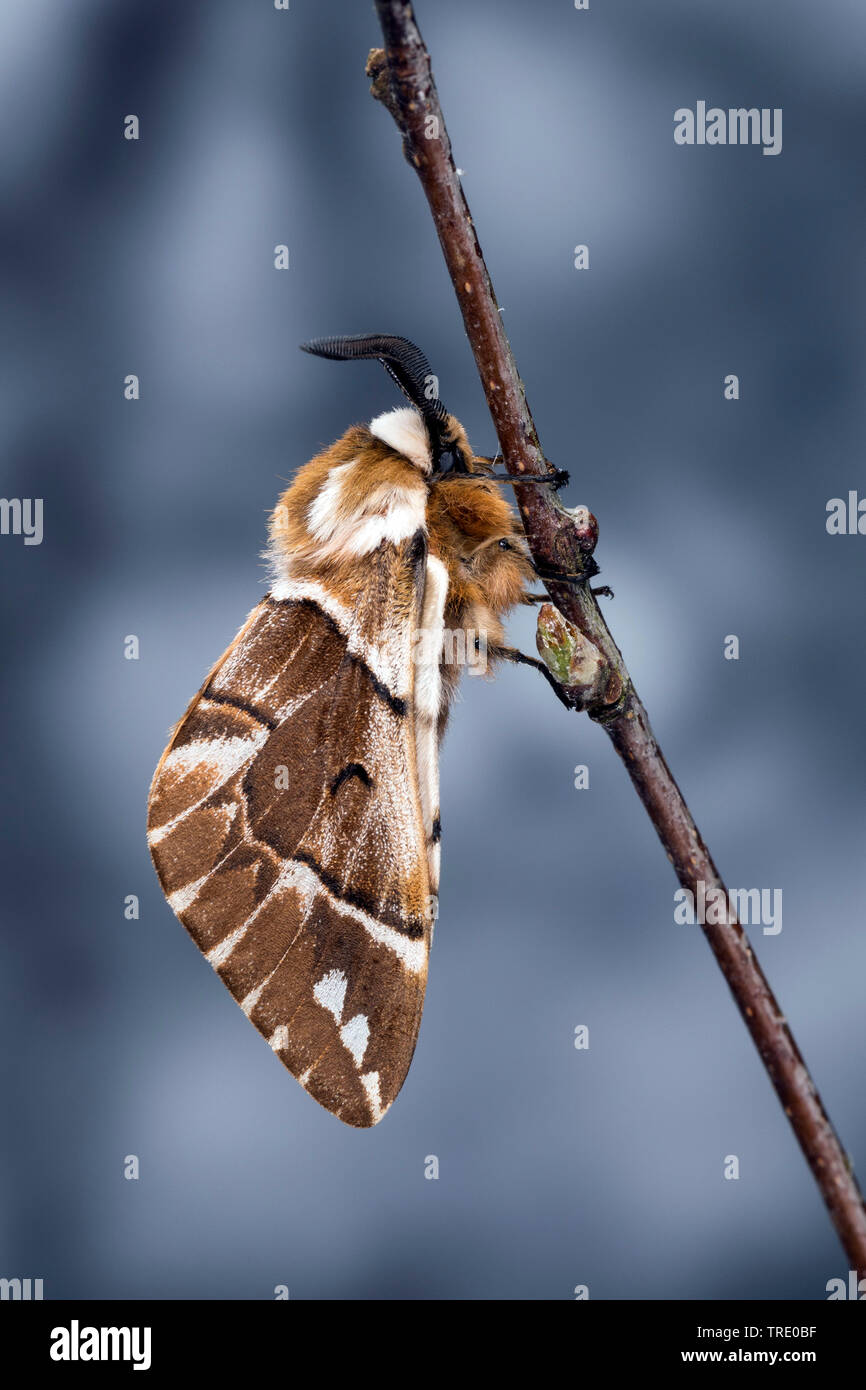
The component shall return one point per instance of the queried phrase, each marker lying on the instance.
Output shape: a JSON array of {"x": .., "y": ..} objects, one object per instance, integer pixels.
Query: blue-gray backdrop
[{"x": 557, "y": 1167}]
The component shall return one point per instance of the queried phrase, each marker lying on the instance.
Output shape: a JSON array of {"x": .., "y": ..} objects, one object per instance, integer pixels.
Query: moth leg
[
  {"x": 591, "y": 570},
  {"x": 558, "y": 478},
  {"x": 602, "y": 591},
  {"x": 518, "y": 658}
]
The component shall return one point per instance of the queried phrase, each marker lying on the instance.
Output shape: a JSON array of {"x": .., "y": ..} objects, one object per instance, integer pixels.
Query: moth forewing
[{"x": 294, "y": 817}]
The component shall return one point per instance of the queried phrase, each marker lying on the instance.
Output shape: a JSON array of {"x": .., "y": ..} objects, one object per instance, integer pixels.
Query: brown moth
[{"x": 294, "y": 816}]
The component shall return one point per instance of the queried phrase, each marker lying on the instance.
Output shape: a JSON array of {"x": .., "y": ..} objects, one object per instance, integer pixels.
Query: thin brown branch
[{"x": 598, "y": 681}]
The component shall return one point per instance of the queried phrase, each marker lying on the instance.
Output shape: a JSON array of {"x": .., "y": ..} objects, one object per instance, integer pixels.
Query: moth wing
[{"x": 285, "y": 822}]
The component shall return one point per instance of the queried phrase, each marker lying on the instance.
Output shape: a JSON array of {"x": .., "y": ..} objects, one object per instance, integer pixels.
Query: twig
[{"x": 594, "y": 673}]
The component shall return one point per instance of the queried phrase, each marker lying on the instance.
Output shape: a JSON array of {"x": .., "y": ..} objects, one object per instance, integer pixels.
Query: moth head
[
  {"x": 501, "y": 567},
  {"x": 479, "y": 530},
  {"x": 407, "y": 365}
]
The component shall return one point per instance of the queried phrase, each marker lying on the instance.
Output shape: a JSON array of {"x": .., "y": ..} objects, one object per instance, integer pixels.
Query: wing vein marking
[
  {"x": 263, "y": 690},
  {"x": 398, "y": 703},
  {"x": 249, "y": 839},
  {"x": 411, "y": 950},
  {"x": 235, "y": 702},
  {"x": 184, "y": 897},
  {"x": 222, "y": 754},
  {"x": 220, "y": 953},
  {"x": 250, "y": 1000},
  {"x": 353, "y": 901},
  {"x": 159, "y": 832}
]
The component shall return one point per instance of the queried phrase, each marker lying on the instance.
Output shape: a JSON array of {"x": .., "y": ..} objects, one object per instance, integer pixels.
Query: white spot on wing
[
  {"x": 355, "y": 1035},
  {"x": 331, "y": 992},
  {"x": 220, "y": 953},
  {"x": 370, "y": 1082},
  {"x": 181, "y": 899},
  {"x": 279, "y": 1039},
  {"x": 249, "y": 1001}
]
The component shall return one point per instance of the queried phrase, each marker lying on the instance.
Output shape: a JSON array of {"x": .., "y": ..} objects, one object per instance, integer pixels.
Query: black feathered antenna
[
  {"x": 408, "y": 366},
  {"x": 402, "y": 360}
]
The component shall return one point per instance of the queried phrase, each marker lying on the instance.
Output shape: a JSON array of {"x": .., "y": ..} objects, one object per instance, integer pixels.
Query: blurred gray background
[{"x": 557, "y": 1167}]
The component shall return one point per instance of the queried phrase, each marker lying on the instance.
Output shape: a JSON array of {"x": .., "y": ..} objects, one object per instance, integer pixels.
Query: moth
[{"x": 293, "y": 819}]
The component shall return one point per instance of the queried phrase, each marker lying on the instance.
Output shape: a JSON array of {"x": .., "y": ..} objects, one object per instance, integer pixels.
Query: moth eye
[
  {"x": 504, "y": 545},
  {"x": 450, "y": 460}
]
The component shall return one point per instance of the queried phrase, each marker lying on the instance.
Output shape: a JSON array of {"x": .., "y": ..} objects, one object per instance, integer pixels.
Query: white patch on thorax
[
  {"x": 403, "y": 429},
  {"x": 384, "y": 513},
  {"x": 322, "y": 511}
]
